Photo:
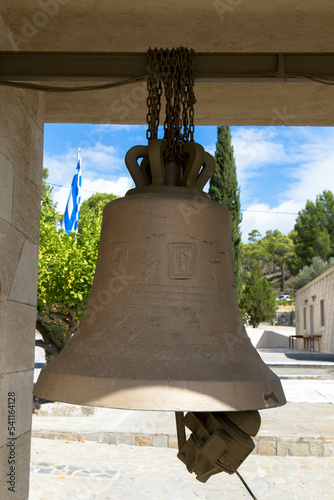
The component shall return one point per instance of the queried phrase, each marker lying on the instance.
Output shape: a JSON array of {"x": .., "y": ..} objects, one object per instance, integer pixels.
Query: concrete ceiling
[
  {"x": 223, "y": 26},
  {"x": 217, "y": 104}
]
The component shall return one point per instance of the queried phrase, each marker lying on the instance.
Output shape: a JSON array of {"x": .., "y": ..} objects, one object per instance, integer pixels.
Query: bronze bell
[{"x": 162, "y": 329}]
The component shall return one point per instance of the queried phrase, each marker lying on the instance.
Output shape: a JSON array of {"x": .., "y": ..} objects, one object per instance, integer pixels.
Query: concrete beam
[{"x": 208, "y": 67}]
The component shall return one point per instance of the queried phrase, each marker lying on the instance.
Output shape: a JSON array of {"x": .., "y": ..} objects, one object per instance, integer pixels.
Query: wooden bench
[
  {"x": 292, "y": 340},
  {"x": 309, "y": 342}
]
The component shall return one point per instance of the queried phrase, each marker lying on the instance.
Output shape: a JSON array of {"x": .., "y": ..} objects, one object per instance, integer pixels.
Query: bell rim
[{"x": 165, "y": 395}]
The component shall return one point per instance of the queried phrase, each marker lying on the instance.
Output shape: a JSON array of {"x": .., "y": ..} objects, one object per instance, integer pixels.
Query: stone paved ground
[{"x": 96, "y": 471}]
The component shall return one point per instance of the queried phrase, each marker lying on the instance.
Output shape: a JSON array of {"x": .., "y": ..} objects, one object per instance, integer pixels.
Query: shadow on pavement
[{"x": 311, "y": 356}]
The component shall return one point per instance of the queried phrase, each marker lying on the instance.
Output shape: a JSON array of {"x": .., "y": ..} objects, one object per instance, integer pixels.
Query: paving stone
[
  {"x": 172, "y": 442},
  {"x": 141, "y": 440},
  {"x": 282, "y": 448},
  {"x": 108, "y": 438},
  {"x": 88, "y": 437},
  {"x": 299, "y": 449},
  {"x": 267, "y": 447},
  {"x": 155, "y": 473},
  {"x": 316, "y": 449},
  {"x": 126, "y": 439},
  {"x": 159, "y": 440},
  {"x": 328, "y": 450}
]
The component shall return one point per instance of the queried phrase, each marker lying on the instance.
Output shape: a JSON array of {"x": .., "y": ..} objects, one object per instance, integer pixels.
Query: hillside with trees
[
  {"x": 273, "y": 252},
  {"x": 313, "y": 234},
  {"x": 290, "y": 262},
  {"x": 309, "y": 273},
  {"x": 281, "y": 259}
]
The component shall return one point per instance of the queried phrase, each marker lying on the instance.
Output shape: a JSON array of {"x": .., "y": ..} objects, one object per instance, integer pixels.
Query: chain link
[
  {"x": 174, "y": 69},
  {"x": 154, "y": 88}
]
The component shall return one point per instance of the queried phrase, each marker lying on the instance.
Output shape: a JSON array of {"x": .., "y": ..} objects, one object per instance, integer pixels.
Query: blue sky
[{"x": 278, "y": 168}]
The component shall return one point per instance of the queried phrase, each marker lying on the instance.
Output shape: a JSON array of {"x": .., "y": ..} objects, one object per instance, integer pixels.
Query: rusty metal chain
[
  {"x": 154, "y": 87},
  {"x": 173, "y": 68}
]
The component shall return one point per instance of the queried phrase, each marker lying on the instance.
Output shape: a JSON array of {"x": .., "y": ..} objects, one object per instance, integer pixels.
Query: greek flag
[{"x": 71, "y": 215}]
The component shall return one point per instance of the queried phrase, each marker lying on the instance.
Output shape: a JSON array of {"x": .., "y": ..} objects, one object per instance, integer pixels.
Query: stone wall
[
  {"x": 21, "y": 155},
  {"x": 285, "y": 318}
]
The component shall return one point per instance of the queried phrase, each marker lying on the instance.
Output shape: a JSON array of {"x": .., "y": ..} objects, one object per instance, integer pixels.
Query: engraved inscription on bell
[
  {"x": 182, "y": 261},
  {"x": 116, "y": 261},
  {"x": 162, "y": 326}
]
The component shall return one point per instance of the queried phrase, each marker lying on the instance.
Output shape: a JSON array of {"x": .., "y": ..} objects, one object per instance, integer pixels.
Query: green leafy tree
[
  {"x": 274, "y": 251},
  {"x": 45, "y": 175},
  {"x": 253, "y": 252},
  {"x": 224, "y": 189},
  {"x": 66, "y": 270},
  {"x": 278, "y": 249},
  {"x": 313, "y": 233},
  {"x": 258, "y": 299},
  {"x": 95, "y": 203},
  {"x": 309, "y": 273},
  {"x": 254, "y": 236}
]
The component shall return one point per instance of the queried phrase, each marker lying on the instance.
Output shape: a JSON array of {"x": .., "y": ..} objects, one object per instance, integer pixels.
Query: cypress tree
[
  {"x": 259, "y": 299},
  {"x": 224, "y": 189}
]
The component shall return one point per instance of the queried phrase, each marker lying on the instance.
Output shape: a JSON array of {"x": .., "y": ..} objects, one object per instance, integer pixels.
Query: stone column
[{"x": 21, "y": 155}]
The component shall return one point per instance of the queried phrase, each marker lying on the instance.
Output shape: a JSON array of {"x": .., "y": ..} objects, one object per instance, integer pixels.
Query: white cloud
[
  {"x": 61, "y": 167},
  {"x": 307, "y": 164},
  {"x": 312, "y": 178},
  {"x": 211, "y": 148},
  {"x": 103, "y": 171},
  {"x": 263, "y": 218},
  {"x": 102, "y": 158},
  {"x": 254, "y": 148},
  {"x": 93, "y": 160},
  {"x": 118, "y": 187},
  {"x": 303, "y": 156},
  {"x": 117, "y": 128}
]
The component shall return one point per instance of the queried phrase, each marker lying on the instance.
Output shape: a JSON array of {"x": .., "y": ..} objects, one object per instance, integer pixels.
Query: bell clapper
[{"x": 220, "y": 441}]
